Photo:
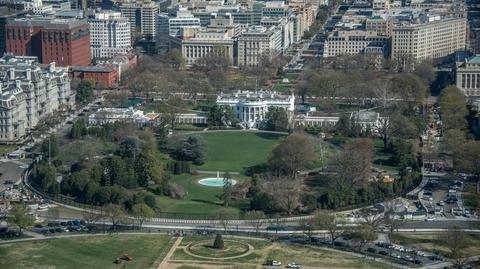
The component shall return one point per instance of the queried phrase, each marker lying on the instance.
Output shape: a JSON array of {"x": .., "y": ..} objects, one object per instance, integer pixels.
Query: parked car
[
  {"x": 273, "y": 263},
  {"x": 383, "y": 252},
  {"x": 372, "y": 250},
  {"x": 294, "y": 265}
]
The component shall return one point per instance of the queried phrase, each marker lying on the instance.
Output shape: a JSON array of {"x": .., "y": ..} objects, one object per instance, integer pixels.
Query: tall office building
[
  {"x": 171, "y": 25},
  {"x": 63, "y": 41},
  {"x": 258, "y": 44},
  {"x": 142, "y": 16},
  {"x": 354, "y": 42},
  {"x": 435, "y": 38},
  {"x": 109, "y": 34}
]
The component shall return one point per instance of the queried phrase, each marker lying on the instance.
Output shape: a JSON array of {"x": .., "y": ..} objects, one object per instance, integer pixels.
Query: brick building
[
  {"x": 104, "y": 75},
  {"x": 63, "y": 41}
]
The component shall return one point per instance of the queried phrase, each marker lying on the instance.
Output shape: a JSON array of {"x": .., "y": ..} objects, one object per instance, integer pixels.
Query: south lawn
[
  {"x": 85, "y": 252},
  {"x": 236, "y": 151}
]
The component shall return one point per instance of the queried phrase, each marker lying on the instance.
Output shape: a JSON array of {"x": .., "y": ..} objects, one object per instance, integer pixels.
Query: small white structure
[
  {"x": 111, "y": 115},
  {"x": 252, "y": 106}
]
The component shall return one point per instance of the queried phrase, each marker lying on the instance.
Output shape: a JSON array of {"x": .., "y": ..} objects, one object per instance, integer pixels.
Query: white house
[{"x": 252, "y": 106}]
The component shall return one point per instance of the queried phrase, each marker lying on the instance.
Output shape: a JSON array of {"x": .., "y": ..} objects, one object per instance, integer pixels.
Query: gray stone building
[{"x": 29, "y": 92}]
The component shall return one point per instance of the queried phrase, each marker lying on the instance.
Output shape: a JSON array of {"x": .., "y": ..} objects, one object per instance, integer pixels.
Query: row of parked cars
[
  {"x": 62, "y": 227},
  {"x": 8, "y": 233},
  {"x": 403, "y": 253}
]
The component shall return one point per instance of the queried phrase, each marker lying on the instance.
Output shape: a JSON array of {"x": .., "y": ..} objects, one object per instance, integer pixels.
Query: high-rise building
[
  {"x": 142, "y": 16},
  {"x": 109, "y": 34},
  {"x": 30, "y": 92},
  {"x": 63, "y": 41},
  {"x": 258, "y": 45},
  {"x": 172, "y": 25},
  {"x": 435, "y": 38}
]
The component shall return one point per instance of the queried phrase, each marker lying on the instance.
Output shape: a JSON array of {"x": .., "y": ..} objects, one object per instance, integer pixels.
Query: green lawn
[
  {"x": 84, "y": 252},
  {"x": 5, "y": 149},
  {"x": 199, "y": 200},
  {"x": 264, "y": 250},
  {"x": 382, "y": 159},
  {"x": 235, "y": 151}
]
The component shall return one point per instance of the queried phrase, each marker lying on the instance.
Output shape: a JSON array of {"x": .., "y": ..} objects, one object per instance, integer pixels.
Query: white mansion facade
[{"x": 252, "y": 106}]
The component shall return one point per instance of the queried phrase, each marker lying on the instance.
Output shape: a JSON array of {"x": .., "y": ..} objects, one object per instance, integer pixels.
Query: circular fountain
[{"x": 215, "y": 181}]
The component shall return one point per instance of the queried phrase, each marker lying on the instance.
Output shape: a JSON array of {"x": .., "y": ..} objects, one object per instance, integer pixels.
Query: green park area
[
  {"x": 197, "y": 253},
  {"x": 85, "y": 252},
  {"x": 199, "y": 200},
  {"x": 236, "y": 151}
]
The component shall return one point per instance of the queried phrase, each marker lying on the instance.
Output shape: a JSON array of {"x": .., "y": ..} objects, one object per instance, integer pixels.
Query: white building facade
[
  {"x": 29, "y": 93},
  {"x": 109, "y": 35},
  {"x": 468, "y": 76},
  {"x": 251, "y": 107},
  {"x": 259, "y": 44}
]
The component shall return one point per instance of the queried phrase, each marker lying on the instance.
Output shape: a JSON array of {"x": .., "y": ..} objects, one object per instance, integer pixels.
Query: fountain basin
[{"x": 215, "y": 182}]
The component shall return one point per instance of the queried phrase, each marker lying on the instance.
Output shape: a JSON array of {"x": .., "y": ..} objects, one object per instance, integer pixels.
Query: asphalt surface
[{"x": 11, "y": 170}]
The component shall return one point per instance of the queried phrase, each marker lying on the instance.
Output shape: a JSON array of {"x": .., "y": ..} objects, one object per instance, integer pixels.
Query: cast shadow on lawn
[
  {"x": 206, "y": 202},
  {"x": 269, "y": 136}
]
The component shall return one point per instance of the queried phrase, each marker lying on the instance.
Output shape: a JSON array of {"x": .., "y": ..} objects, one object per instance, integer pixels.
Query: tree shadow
[{"x": 269, "y": 136}]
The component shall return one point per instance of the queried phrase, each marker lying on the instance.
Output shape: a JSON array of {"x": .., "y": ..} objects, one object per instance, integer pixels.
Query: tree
[
  {"x": 148, "y": 168},
  {"x": 364, "y": 234},
  {"x": 176, "y": 191},
  {"x": 329, "y": 222},
  {"x": 426, "y": 73},
  {"x": 353, "y": 164},
  {"x": 218, "y": 243},
  {"x": 20, "y": 217},
  {"x": 190, "y": 148},
  {"x": 50, "y": 147},
  {"x": 91, "y": 216},
  {"x": 453, "y": 108},
  {"x": 227, "y": 189},
  {"x": 454, "y": 139},
  {"x": 291, "y": 155},
  {"x": 409, "y": 87},
  {"x": 456, "y": 241},
  {"x": 79, "y": 129},
  {"x": 221, "y": 116},
  {"x": 225, "y": 216},
  {"x": 276, "y": 119},
  {"x": 171, "y": 110},
  {"x": 284, "y": 192},
  {"x": 142, "y": 212},
  {"x": 256, "y": 219},
  {"x": 115, "y": 214},
  {"x": 84, "y": 91},
  {"x": 467, "y": 160}
]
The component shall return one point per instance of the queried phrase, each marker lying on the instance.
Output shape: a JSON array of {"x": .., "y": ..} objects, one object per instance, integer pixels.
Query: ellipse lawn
[{"x": 236, "y": 151}]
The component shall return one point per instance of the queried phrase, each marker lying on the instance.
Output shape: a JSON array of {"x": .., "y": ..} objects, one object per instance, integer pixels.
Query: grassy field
[
  {"x": 434, "y": 242},
  {"x": 265, "y": 250},
  {"x": 382, "y": 159},
  {"x": 199, "y": 199},
  {"x": 84, "y": 252},
  {"x": 235, "y": 151},
  {"x": 5, "y": 149}
]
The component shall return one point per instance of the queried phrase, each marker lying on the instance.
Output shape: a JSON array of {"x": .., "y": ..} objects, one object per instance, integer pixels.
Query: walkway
[{"x": 164, "y": 263}]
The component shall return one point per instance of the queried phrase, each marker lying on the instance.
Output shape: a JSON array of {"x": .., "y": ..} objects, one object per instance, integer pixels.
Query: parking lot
[{"x": 11, "y": 172}]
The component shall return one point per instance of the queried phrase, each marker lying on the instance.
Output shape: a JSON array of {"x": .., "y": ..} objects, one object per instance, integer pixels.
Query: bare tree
[
  {"x": 292, "y": 154},
  {"x": 91, "y": 216},
  {"x": 329, "y": 221},
  {"x": 53, "y": 213},
  {"x": 256, "y": 219},
  {"x": 225, "y": 216},
  {"x": 456, "y": 242},
  {"x": 285, "y": 192},
  {"x": 354, "y": 163},
  {"x": 115, "y": 214}
]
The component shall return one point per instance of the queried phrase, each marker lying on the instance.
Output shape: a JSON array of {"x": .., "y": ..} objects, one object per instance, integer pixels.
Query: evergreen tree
[{"x": 218, "y": 243}]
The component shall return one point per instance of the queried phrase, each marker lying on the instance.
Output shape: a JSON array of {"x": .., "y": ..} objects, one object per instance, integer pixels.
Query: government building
[
  {"x": 29, "y": 93},
  {"x": 468, "y": 76},
  {"x": 252, "y": 106}
]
